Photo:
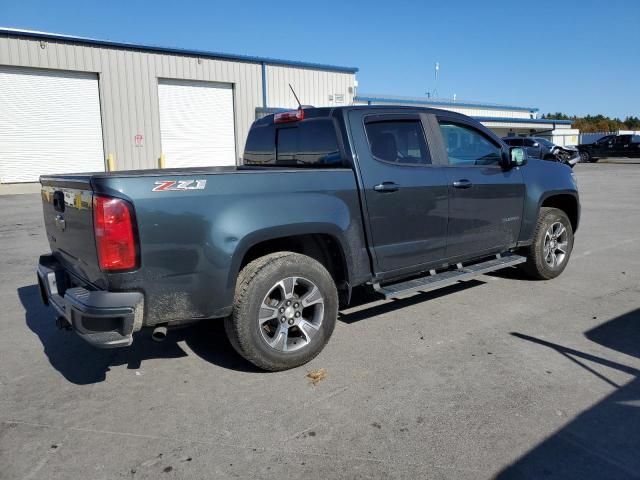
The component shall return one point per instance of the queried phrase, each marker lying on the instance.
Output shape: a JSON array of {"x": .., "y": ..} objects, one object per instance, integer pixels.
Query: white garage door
[
  {"x": 49, "y": 123},
  {"x": 196, "y": 123}
]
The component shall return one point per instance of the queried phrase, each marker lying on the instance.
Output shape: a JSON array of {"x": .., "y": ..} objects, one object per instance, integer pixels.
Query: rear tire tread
[{"x": 238, "y": 328}]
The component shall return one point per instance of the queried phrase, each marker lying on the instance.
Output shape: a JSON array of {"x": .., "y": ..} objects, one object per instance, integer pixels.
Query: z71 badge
[{"x": 180, "y": 185}]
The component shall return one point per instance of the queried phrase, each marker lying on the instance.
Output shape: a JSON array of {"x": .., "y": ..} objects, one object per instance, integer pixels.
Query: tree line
[{"x": 597, "y": 123}]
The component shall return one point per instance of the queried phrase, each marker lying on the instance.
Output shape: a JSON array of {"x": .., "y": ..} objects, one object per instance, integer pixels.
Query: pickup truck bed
[{"x": 328, "y": 199}]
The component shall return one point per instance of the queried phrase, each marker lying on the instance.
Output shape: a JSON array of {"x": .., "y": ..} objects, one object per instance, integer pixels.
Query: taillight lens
[
  {"x": 285, "y": 117},
  {"x": 115, "y": 240}
]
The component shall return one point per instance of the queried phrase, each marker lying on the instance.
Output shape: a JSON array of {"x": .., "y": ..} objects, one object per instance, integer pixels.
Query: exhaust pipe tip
[{"x": 159, "y": 333}]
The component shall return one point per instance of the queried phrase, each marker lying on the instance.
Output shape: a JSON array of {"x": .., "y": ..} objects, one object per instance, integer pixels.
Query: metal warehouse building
[
  {"x": 68, "y": 104},
  {"x": 504, "y": 120}
]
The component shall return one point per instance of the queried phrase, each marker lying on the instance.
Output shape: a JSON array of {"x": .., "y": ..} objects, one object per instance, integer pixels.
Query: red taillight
[
  {"x": 113, "y": 228},
  {"x": 292, "y": 116}
]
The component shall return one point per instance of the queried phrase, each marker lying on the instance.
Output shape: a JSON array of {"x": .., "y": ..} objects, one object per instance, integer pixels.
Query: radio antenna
[{"x": 297, "y": 99}]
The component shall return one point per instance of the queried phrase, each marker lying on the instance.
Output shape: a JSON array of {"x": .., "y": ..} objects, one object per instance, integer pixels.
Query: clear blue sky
[{"x": 578, "y": 57}]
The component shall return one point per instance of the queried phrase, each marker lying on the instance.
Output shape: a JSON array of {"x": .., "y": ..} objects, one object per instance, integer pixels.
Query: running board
[{"x": 433, "y": 281}]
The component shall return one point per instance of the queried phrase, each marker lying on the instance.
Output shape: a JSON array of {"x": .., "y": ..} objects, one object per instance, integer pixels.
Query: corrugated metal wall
[
  {"x": 129, "y": 90},
  {"x": 313, "y": 87},
  {"x": 128, "y": 82}
]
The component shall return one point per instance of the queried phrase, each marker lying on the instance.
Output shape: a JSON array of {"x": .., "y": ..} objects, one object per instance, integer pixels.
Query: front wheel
[
  {"x": 284, "y": 311},
  {"x": 585, "y": 157},
  {"x": 548, "y": 255}
]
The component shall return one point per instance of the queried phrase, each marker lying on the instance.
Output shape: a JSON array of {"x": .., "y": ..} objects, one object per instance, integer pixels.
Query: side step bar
[{"x": 433, "y": 281}]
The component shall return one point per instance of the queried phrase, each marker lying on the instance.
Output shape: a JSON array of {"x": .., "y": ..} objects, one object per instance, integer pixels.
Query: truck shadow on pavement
[
  {"x": 83, "y": 364},
  {"x": 604, "y": 441}
]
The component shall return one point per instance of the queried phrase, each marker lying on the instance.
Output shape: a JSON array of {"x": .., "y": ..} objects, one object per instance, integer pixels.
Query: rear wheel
[
  {"x": 548, "y": 255},
  {"x": 284, "y": 311}
]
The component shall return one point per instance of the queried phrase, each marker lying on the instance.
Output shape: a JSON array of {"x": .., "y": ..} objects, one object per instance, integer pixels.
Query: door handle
[
  {"x": 463, "y": 183},
  {"x": 386, "y": 187}
]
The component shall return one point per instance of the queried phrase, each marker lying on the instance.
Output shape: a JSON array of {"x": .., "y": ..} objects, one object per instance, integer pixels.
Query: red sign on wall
[{"x": 139, "y": 140}]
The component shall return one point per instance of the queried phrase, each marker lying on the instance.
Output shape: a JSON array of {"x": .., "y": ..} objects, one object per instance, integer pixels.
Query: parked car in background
[
  {"x": 611, "y": 146},
  {"x": 538, "y": 147}
]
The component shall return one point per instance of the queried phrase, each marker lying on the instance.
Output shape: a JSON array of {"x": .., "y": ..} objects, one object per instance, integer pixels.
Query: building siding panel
[{"x": 313, "y": 87}]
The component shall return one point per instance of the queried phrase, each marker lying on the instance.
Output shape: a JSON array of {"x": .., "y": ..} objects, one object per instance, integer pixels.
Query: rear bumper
[{"x": 104, "y": 319}]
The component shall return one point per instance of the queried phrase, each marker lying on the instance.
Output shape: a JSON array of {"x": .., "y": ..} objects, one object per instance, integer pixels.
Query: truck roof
[{"x": 316, "y": 112}]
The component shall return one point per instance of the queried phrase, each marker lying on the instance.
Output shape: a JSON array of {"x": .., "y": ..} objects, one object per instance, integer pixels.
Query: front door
[
  {"x": 485, "y": 200},
  {"x": 532, "y": 148},
  {"x": 605, "y": 147},
  {"x": 405, "y": 194},
  {"x": 621, "y": 145}
]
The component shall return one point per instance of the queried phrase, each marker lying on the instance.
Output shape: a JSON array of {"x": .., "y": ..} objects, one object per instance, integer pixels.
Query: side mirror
[
  {"x": 517, "y": 157},
  {"x": 535, "y": 145}
]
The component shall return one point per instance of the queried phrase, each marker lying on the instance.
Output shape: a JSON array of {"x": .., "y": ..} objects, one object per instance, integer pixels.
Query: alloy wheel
[
  {"x": 556, "y": 245},
  {"x": 291, "y": 314}
]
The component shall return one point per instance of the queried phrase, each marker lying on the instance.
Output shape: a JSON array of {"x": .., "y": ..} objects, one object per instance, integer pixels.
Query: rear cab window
[
  {"x": 399, "y": 141},
  {"x": 308, "y": 143},
  {"x": 513, "y": 141}
]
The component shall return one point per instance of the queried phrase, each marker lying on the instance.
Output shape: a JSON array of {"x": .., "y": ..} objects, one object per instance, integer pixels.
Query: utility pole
[{"x": 435, "y": 85}]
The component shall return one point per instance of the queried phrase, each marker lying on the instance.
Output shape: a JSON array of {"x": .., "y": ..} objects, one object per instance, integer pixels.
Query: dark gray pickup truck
[{"x": 327, "y": 199}]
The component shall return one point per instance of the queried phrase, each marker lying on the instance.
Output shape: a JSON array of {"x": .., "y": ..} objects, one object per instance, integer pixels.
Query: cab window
[
  {"x": 467, "y": 146},
  {"x": 398, "y": 141}
]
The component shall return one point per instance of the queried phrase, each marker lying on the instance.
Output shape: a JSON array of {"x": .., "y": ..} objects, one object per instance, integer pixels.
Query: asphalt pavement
[{"x": 498, "y": 376}]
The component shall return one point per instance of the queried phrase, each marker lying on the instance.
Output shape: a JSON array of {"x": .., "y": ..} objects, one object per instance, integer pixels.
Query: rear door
[
  {"x": 634, "y": 148},
  {"x": 485, "y": 200},
  {"x": 405, "y": 193}
]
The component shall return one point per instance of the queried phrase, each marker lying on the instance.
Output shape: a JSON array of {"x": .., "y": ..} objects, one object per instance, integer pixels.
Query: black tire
[
  {"x": 258, "y": 280},
  {"x": 585, "y": 157},
  {"x": 540, "y": 264}
]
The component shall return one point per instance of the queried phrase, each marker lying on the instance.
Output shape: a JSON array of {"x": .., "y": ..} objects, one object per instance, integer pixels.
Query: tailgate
[{"x": 67, "y": 204}]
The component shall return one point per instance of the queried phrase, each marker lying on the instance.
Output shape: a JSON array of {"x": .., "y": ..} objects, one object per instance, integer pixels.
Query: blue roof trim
[
  {"x": 179, "y": 51},
  {"x": 427, "y": 102},
  {"x": 548, "y": 121}
]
